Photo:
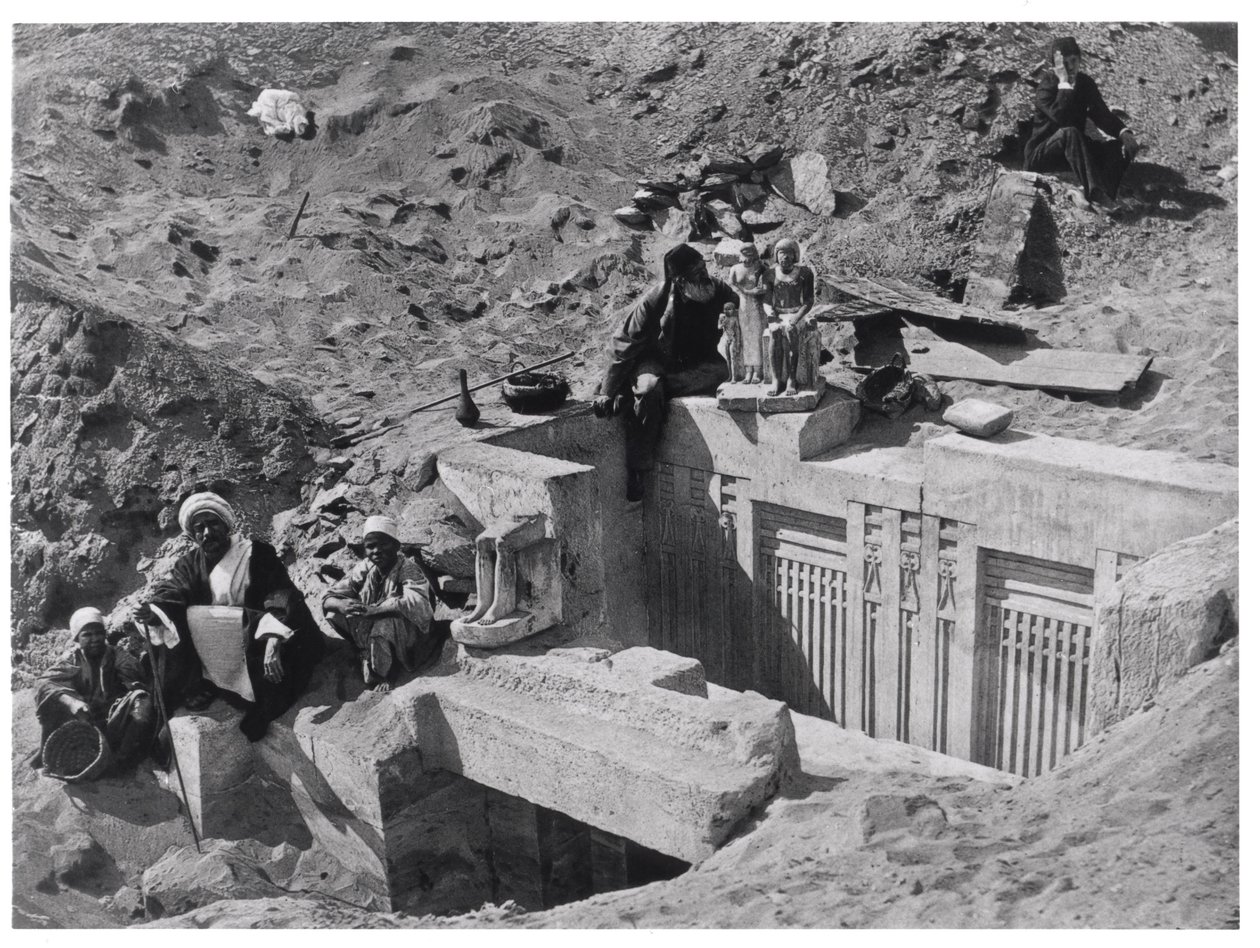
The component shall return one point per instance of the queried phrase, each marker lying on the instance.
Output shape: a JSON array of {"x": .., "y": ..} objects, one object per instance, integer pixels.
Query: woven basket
[
  {"x": 527, "y": 392},
  {"x": 76, "y": 751}
]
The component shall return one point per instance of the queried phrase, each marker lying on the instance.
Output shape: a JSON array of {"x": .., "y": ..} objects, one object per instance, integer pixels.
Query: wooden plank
[
  {"x": 891, "y": 294},
  {"x": 1064, "y": 370}
]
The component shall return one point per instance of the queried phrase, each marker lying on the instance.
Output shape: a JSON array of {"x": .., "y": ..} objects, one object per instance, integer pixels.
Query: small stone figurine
[
  {"x": 731, "y": 345},
  {"x": 748, "y": 277}
]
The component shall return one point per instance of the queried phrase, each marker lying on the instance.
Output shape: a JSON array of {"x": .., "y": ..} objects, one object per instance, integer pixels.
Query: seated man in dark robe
[
  {"x": 99, "y": 684},
  {"x": 229, "y": 611},
  {"x": 1067, "y": 97},
  {"x": 666, "y": 346},
  {"x": 382, "y": 607}
]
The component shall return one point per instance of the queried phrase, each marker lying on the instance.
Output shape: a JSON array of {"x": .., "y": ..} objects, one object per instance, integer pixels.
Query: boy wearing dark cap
[
  {"x": 666, "y": 345},
  {"x": 1067, "y": 97}
]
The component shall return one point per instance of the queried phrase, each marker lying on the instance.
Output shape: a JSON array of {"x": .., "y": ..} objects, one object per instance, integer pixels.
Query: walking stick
[{"x": 166, "y": 722}]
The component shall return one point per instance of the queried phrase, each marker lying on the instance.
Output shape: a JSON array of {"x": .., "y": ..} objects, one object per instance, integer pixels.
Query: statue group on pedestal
[
  {"x": 691, "y": 332},
  {"x": 771, "y": 335}
]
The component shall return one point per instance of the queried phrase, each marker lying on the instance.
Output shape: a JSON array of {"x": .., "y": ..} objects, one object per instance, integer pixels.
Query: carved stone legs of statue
[{"x": 497, "y": 547}]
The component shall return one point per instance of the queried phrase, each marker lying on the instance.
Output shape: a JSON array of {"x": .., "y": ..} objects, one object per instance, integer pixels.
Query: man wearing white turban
[
  {"x": 382, "y": 606},
  {"x": 98, "y": 683},
  {"x": 229, "y": 611}
]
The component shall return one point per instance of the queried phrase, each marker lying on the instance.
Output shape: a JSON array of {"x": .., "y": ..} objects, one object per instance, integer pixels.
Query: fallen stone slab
[
  {"x": 978, "y": 418},
  {"x": 1017, "y": 256}
]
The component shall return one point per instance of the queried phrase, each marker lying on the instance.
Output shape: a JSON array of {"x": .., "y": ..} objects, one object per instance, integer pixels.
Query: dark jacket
[
  {"x": 100, "y": 685},
  {"x": 688, "y": 339},
  {"x": 1069, "y": 108},
  {"x": 270, "y": 590}
]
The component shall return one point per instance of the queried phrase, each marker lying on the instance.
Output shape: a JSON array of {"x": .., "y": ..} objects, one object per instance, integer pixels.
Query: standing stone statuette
[
  {"x": 748, "y": 277},
  {"x": 731, "y": 345}
]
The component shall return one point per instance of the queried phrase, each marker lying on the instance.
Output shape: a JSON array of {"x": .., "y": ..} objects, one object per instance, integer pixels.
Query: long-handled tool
[
  {"x": 446, "y": 398},
  {"x": 166, "y": 723}
]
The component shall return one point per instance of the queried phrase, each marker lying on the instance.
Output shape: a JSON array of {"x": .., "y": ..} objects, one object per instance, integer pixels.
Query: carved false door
[{"x": 698, "y": 595}]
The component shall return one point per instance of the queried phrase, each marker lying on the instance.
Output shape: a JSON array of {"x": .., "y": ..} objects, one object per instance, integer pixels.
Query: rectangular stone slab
[{"x": 890, "y": 294}]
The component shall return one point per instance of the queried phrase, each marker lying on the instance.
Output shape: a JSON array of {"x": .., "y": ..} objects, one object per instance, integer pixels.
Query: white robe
[{"x": 279, "y": 110}]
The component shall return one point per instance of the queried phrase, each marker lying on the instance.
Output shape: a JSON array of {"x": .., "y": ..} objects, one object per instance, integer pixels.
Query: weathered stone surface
[
  {"x": 1167, "y": 614},
  {"x": 648, "y": 200},
  {"x": 216, "y": 762},
  {"x": 1082, "y": 496},
  {"x": 726, "y": 253},
  {"x": 764, "y": 155},
  {"x": 718, "y": 163},
  {"x": 1017, "y": 256},
  {"x": 724, "y": 215},
  {"x": 751, "y": 438},
  {"x": 631, "y": 216},
  {"x": 741, "y": 396},
  {"x": 887, "y": 813},
  {"x": 183, "y": 879},
  {"x": 976, "y": 417},
  {"x": 761, "y": 221},
  {"x": 674, "y": 772},
  {"x": 673, "y": 222},
  {"x": 444, "y": 542},
  {"x": 661, "y": 669},
  {"x": 805, "y": 180},
  {"x": 77, "y": 859}
]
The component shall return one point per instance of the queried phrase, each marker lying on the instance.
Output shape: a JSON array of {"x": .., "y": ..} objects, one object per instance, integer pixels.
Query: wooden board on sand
[{"x": 1064, "y": 370}]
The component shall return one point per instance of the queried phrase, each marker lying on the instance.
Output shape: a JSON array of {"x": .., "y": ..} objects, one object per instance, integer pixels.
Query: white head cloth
[
  {"x": 84, "y": 617},
  {"x": 206, "y": 501},
  {"x": 385, "y": 525}
]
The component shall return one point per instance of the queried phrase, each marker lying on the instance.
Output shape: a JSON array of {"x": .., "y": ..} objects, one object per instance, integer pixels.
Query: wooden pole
[
  {"x": 472, "y": 388},
  {"x": 298, "y": 216}
]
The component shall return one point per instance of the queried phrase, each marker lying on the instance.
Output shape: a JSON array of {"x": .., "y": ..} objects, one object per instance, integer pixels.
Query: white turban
[
  {"x": 200, "y": 503},
  {"x": 84, "y": 617},
  {"x": 385, "y": 525}
]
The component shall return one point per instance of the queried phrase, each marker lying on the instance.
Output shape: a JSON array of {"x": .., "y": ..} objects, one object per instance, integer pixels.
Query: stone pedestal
[
  {"x": 216, "y": 762},
  {"x": 746, "y": 396}
]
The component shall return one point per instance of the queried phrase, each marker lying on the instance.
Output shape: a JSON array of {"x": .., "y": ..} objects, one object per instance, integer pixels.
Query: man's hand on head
[{"x": 1130, "y": 144}]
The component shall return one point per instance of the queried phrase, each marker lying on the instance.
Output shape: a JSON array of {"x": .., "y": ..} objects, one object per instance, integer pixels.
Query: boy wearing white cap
[
  {"x": 100, "y": 684},
  {"x": 381, "y": 606}
]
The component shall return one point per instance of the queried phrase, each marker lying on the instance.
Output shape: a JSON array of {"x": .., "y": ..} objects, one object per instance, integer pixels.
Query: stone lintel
[{"x": 1062, "y": 499}]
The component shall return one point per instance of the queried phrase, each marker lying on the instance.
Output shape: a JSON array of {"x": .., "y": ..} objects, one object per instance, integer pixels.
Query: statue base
[
  {"x": 747, "y": 396},
  {"x": 512, "y": 628}
]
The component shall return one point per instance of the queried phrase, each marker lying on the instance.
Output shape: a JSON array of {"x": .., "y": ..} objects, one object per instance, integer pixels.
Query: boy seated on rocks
[
  {"x": 382, "y": 607},
  {"x": 100, "y": 684}
]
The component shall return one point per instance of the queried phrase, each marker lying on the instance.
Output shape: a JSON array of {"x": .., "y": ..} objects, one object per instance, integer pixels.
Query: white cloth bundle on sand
[{"x": 280, "y": 110}]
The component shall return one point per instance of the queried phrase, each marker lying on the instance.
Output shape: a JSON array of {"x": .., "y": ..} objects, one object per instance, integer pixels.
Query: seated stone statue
[
  {"x": 518, "y": 584},
  {"x": 731, "y": 345},
  {"x": 748, "y": 277},
  {"x": 794, "y": 342}
]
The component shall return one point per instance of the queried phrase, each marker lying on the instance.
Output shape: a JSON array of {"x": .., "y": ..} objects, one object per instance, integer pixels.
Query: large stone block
[
  {"x": 734, "y": 440},
  {"x": 216, "y": 762},
  {"x": 1166, "y": 614},
  {"x": 1063, "y": 500},
  {"x": 1017, "y": 257},
  {"x": 675, "y": 773}
]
